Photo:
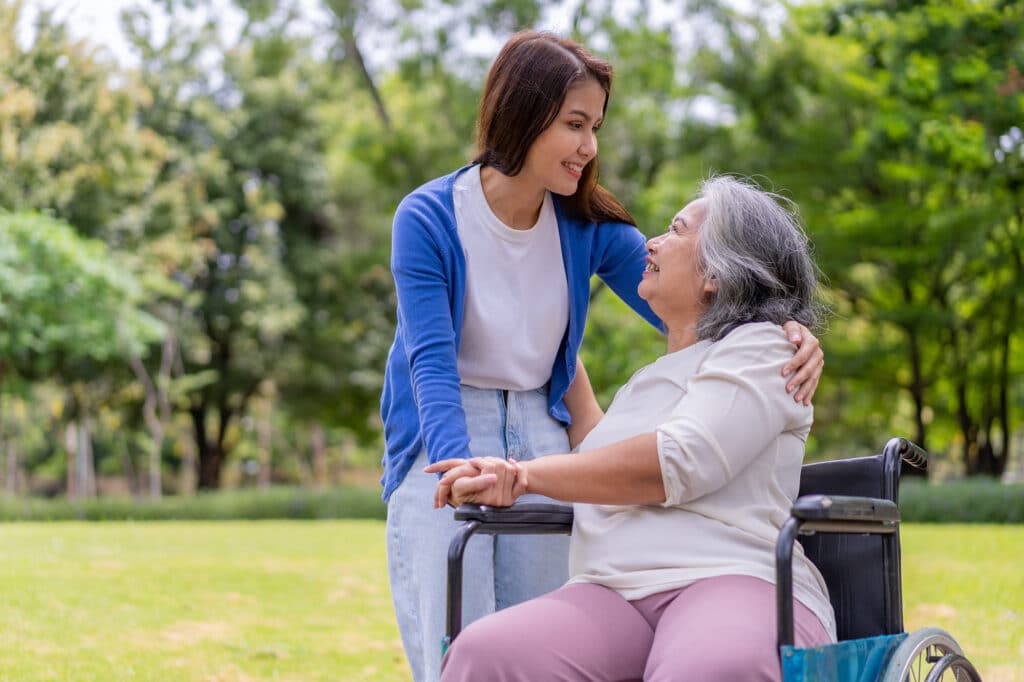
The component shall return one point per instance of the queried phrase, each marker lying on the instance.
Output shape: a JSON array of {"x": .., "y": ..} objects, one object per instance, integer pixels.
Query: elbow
[{"x": 658, "y": 493}]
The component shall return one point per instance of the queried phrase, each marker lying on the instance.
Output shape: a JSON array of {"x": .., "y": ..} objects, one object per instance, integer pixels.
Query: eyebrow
[{"x": 579, "y": 112}]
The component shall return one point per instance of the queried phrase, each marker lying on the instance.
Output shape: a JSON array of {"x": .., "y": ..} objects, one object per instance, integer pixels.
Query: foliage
[
  {"x": 975, "y": 500},
  {"x": 64, "y": 300},
  {"x": 893, "y": 130},
  {"x": 966, "y": 501},
  {"x": 243, "y": 174},
  {"x": 345, "y": 502}
]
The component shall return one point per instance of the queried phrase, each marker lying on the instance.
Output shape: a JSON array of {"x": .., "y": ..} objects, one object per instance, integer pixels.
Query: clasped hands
[{"x": 481, "y": 480}]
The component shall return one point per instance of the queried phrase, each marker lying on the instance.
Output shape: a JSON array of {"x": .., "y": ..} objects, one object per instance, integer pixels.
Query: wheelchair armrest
[
  {"x": 527, "y": 513},
  {"x": 519, "y": 519},
  {"x": 824, "y": 514},
  {"x": 842, "y": 514}
]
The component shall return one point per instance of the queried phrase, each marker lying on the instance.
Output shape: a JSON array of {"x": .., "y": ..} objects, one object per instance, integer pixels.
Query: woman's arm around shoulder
[
  {"x": 620, "y": 256},
  {"x": 582, "y": 404}
]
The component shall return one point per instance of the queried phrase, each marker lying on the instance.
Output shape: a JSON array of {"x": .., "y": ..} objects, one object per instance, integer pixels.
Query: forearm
[
  {"x": 582, "y": 405},
  {"x": 627, "y": 472}
]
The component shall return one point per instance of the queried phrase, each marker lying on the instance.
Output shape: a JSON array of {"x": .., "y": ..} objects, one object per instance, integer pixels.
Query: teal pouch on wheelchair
[{"x": 855, "y": 660}]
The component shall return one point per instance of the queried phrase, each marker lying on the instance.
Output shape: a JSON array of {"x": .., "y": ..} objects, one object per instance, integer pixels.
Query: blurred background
[{"x": 196, "y": 201}]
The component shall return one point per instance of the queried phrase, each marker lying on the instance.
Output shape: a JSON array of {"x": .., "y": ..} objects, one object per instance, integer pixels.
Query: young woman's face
[
  {"x": 673, "y": 283},
  {"x": 557, "y": 157}
]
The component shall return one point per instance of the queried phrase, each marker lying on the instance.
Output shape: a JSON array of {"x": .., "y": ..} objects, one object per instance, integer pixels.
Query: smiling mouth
[
  {"x": 575, "y": 169},
  {"x": 651, "y": 267}
]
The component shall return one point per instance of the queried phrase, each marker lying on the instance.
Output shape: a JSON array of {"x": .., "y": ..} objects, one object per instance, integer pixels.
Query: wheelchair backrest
[{"x": 862, "y": 571}]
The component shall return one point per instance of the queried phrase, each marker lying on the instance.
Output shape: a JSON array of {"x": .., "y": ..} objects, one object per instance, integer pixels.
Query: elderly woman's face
[{"x": 672, "y": 283}]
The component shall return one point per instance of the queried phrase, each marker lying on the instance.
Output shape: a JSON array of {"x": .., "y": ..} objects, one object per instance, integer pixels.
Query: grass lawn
[
  {"x": 204, "y": 601},
  {"x": 308, "y": 600}
]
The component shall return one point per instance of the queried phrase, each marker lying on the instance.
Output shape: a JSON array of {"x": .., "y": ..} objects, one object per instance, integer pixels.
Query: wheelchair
[{"x": 848, "y": 518}]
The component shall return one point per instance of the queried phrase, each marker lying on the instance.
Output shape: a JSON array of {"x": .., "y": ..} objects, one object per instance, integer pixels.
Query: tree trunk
[
  {"x": 917, "y": 386},
  {"x": 264, "y": 435},
  {"x": 187, "y": 480},
  {"x": 318, "y": 443},
  {"x": 156, "y": 448},
  {"x": 210, "y": 465},
  {"x": 211, "y": 457},
  {"x": 3, "y": 442},
  {"x": 12, "y": 470},
  {"x": 86, "y": 465},
  {"x": 71, "y": 445},
  {"x": 968, "y": 429},
  {"x": 353, "y": 52}
]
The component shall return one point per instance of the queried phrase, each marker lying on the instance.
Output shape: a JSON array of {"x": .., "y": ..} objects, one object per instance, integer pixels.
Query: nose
[
  {"x": 653, "y": 242},
  {"x": 588, "y": 147}
]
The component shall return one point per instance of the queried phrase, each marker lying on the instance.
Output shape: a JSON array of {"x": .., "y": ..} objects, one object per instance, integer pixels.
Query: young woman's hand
[
  {"x": 808, "y": 362},
  {"x": 481, "y": 480}
]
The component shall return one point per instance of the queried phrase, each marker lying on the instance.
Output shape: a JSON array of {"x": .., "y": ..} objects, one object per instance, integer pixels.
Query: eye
[{"x": 576, "y": 125}]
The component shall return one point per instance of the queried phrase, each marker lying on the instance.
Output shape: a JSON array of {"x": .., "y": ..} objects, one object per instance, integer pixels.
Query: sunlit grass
[
  {"x": 968, "y": 580},
  {"x": 218, "y": 602},
  {"x": 308, "y": 600}
]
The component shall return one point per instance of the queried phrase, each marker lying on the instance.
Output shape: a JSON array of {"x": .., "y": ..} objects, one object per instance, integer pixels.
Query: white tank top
[{"x": 517, "y": 299}]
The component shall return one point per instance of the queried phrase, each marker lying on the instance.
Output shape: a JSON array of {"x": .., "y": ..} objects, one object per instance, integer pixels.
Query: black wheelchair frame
[{"x": 847, "y": 512}]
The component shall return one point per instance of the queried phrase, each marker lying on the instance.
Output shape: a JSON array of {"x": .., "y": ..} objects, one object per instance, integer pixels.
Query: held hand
[
  {"x": 481, "y": 480},
  {"x": 498, "y": 491},
  {"x": 453, "y": 469},
  {"x": 809, "y": 362}
]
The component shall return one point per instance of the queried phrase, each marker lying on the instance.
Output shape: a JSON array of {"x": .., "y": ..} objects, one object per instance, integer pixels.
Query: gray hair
[{"x": 752, "y": 245}]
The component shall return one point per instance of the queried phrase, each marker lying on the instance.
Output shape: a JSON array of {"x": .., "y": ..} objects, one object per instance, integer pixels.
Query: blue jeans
[{"x": 498, "y": 571}]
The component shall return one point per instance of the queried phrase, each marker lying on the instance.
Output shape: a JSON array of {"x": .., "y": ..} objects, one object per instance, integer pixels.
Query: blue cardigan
[{"x": 421, "y": 404}]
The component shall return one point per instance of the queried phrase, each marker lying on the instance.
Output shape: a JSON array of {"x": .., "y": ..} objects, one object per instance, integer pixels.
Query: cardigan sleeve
[
  {"x": 621, "y": 258},
  {"x": 735, "y": 406},
  {"x": 419, "y": 255}
]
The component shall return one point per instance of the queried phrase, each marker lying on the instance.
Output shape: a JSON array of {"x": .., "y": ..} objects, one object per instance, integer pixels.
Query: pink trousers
[{"x": 717, "y": 629}]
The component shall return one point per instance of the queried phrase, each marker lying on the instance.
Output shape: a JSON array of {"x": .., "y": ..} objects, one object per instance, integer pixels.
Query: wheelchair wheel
[
  {"x": 953, "y": 667},
  {"x": 929, "y": 655}
]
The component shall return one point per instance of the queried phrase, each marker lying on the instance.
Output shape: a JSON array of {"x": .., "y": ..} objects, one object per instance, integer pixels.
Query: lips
[{"x": 574, "y": 169}]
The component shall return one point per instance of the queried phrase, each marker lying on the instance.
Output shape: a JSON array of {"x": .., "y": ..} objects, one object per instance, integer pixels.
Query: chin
[{"x": 564, "y": 188}]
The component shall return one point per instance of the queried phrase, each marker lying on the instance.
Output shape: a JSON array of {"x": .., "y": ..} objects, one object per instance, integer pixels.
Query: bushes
[
  {"x": 968, "y": 501},
  {"x": 981, "y": 500},
  {"x": 275, "y": 503}
]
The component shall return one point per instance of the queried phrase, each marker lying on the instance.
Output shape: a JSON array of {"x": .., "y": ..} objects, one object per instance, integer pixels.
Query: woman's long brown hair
[{"x": 525, "y": 89}]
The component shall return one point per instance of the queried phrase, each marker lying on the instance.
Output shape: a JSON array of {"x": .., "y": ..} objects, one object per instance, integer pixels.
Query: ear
[{"x": 710, "y": 285}]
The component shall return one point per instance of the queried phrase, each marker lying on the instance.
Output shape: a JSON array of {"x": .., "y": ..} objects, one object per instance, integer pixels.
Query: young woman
[
  {"x": 683, "y": 485},
  {"x": 492, "y": 267}
]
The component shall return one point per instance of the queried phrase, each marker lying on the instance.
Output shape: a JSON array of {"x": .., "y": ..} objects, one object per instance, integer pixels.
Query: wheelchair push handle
[{"x": 912, "y": 454}]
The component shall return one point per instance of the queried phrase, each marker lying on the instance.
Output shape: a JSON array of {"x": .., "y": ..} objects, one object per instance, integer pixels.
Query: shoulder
[
  {"x": 432, "y": 198},
  {"x": 767, "y": 333},
  {"x": 762, "y": 342},
  {"x": 427, "y": 215},
  {"x": 605, "y": 238}
]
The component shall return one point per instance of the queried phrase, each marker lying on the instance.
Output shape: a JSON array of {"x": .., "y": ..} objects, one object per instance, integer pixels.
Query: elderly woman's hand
[
  {"x": 481, "y": 480},
  {"x": 809, "y": 362}
]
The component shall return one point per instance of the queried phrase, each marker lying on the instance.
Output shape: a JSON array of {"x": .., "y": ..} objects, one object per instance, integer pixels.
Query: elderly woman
[{"x": 682, "y": 487}]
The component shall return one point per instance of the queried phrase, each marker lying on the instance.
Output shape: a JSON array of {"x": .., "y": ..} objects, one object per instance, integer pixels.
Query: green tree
[
  {"x": 884, "y": 122},
  {"x": 68, "y": 311},
  {"x": 245, "y": 168}
]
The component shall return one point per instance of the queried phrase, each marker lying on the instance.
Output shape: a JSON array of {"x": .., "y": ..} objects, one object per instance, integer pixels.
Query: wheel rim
[
  {"x": 953, "y": 668},
  {"x": 930, "y": 651}
]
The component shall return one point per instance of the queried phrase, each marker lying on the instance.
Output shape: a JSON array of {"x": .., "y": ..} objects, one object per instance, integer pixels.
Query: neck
[
  {"x": 514, "y": 199},
  {"x": 682, "y": 336}
]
